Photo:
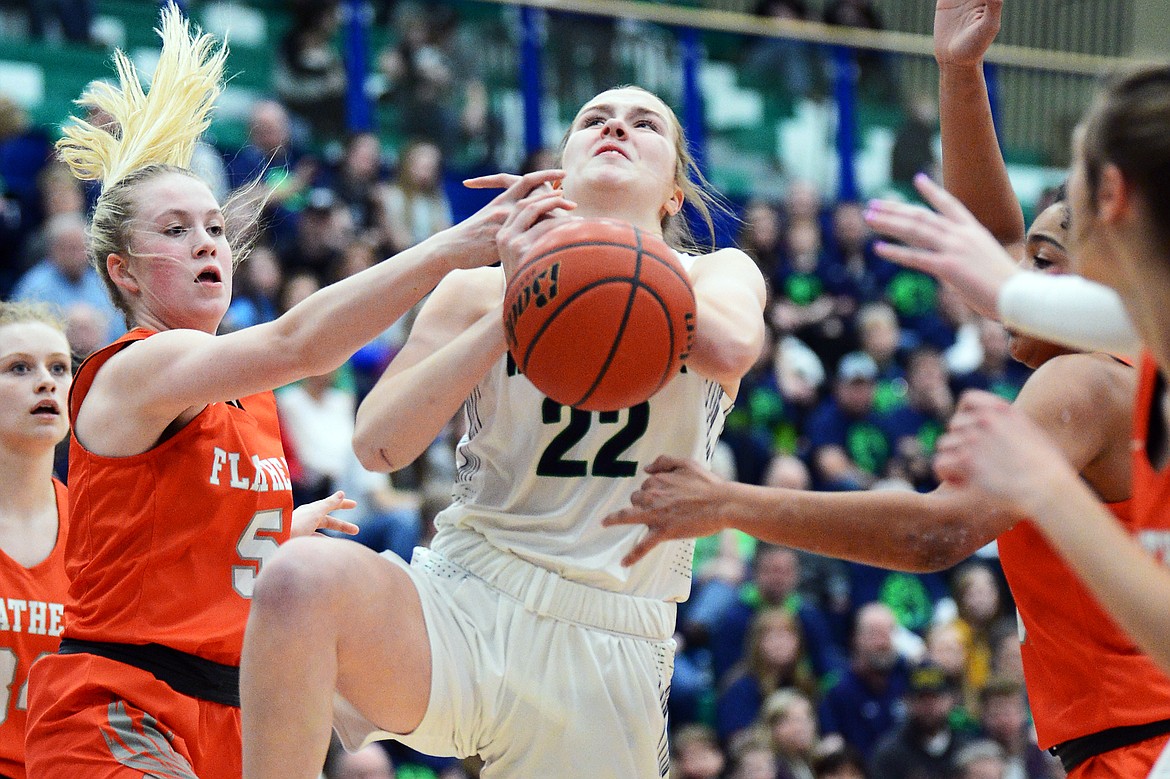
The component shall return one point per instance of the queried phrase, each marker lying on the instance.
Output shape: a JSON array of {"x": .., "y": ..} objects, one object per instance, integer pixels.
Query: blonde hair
[
  {"x": 19, "y": 312},
  {"x": 153, "y": 132},
  {"x": 159, "y": 127}
]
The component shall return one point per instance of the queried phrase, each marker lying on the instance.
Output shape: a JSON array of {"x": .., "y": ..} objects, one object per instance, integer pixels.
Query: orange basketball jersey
[
  {"x": 32, "y": 607},
  {"x": 1084, "y": 675},
  {"x": 165, "y": 545}
]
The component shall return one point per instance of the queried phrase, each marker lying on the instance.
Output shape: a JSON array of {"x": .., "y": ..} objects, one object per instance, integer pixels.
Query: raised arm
[
  {"x": 729, "y": 329},
  {"x": 972, "y": 165}
]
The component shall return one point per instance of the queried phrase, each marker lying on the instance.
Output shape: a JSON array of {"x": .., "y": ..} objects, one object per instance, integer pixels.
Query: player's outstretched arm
[
  {"x": 314, "y": 337},
  {"x": 995, "y": 453},
  {"x": 893, "y": 529},
  {"x": 972, "y": 165}
]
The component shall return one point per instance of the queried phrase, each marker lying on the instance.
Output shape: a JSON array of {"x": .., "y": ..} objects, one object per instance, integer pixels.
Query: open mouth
[
  {"x": 609, "y": 147},
  {"x": 46, "y": 408},
  {"x": 208, "y": 276}
]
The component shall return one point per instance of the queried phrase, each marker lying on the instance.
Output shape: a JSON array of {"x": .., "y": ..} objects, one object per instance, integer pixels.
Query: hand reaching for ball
[{"x": 536, "y": 206}]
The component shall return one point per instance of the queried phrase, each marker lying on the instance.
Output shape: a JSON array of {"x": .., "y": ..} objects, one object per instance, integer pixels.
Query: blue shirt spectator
[{"x": 65, "y": 276}]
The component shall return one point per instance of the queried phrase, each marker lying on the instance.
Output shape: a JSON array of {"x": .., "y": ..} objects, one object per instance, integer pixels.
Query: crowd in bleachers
[{"x": 790, "y": 666}]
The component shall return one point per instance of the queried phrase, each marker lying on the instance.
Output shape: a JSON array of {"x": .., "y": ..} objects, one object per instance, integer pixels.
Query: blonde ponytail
[{"x": 156, "y": 127}]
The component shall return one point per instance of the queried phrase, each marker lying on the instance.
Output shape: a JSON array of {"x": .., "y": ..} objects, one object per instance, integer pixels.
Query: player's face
[
  {"x": 1046, "y": 252},
  {"x": 623, "y": 138},
  {"x": 35, "y": 374},
  {"x": 180, "y": 257}
]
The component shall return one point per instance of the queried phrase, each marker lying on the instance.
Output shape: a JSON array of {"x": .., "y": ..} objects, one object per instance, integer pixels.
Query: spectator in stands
[
  {"x": 794, "y": 62},
  {"x": 946, "y": 649},
  {"x": 695, "y": 753},
  {"x": 981, "y": 759},
  {"x": 323, "y": 230},
  {"x": 25, "y": 152},
  {"x": 925, "y": 745},
  {"x": 789, "y": 715},
  {"x": 65, "y": 277},
  {"x": 317, "y": 417},
  {"x": 853, "y": 270},
  {"x": 762, "y": 238},
  {"x": 838, "y": 761},
  {"x": 866, "y": 701},
  {"x": 1003, "y": 715},
  {"x": 752, "y": 757},
  {"x": 913, "y": 150},
  {"x": 73, "y": 17},
  {"x": 309, "y": 75},
  {"x": 801, "y": 303},
  {"x": 356, "y": 180},
  {"x": 775, "y": 398},
  {"x": 914, "y": 427},
  {"x": 979, "y": 600},
  {"x": 256, "y": 292},
  {"x": 997, "y": 372},
  {"x": 881, "y": 338},
  {"x": 415, "y": 205},
  {"x": 774, "y": 658},
  {"x": 848, "y": 450},
  {"x": 877, "y": 79},
  {"x": 775, "y": 576}
]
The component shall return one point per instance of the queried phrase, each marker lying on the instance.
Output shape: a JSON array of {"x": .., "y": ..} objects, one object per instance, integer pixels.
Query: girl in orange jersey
[
  {"x": 35, "y": 372},
  {"x": 1120, "y": 198},
  {"x": 180, "y": 490},
  {"x": 1114, "y": 726}
]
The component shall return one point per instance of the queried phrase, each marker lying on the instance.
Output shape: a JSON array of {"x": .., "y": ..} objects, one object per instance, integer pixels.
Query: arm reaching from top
[{"x": 972, "y": 165}]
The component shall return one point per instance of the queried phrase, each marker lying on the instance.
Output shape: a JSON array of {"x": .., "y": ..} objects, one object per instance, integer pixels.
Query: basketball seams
[
  {"x": 596, "y": 368},
  {"x": 635, "y": 282}
]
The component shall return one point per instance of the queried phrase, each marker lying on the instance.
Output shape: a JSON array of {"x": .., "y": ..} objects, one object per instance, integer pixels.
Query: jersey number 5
[
  {"x": 607, "y": 461},
  {"x": 256, "y": 545}
]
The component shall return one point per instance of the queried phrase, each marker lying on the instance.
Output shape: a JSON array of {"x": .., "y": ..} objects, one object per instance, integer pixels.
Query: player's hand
[
  {"x": 680, "y": 499},
  {"x": 995, "y": 450},
  {"x": 948, "y": 243},
  {"x": 311, "y": 517},
  {"x": 964, "y": 30},
  {"x": 533, "y": 216},
  {"x": 473, "y": 242}
]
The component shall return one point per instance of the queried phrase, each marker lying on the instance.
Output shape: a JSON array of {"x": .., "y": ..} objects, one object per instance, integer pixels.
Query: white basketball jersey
[{"x": 536, "y": 478}]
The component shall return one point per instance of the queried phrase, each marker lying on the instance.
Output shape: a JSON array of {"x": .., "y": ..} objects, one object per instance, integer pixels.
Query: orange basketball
[{"x": 599, "y": 315}]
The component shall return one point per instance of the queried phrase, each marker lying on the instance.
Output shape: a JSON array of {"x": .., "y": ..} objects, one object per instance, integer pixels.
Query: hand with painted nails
[{"x": 947, "y": 243}]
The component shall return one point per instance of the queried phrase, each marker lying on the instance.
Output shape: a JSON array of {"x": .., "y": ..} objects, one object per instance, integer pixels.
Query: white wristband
[{"x": 1069, "y": 310}]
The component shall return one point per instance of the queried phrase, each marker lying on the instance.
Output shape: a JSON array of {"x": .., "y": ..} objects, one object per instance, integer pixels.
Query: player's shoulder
[
  {"x": 1089, "y": 382},
  {"x": 1084, "y": 369}
]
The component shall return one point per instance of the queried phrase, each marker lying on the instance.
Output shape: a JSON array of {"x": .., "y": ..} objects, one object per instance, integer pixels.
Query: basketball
[{"x": 600, "y": 314}]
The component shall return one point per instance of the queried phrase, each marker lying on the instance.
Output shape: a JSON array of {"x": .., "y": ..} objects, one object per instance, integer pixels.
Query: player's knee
[{"x": 294, "y": 581}]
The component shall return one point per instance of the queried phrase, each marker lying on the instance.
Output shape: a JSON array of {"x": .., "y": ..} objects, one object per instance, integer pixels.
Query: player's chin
[{"x": 1033, "y": 352}]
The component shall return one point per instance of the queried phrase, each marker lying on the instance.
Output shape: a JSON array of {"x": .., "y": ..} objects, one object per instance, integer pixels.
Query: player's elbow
[{"x": 372, "y": 454}]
